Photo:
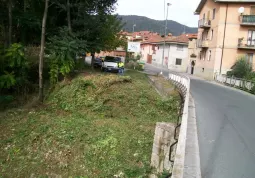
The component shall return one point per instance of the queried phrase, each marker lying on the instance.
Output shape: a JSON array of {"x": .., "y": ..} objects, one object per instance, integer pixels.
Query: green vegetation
[
  {"x": 134, "y": 64},
  {"x": 242, "y": 69},
  {"x": 58, "y": 31},
  {"x": 95, "y": 125}
]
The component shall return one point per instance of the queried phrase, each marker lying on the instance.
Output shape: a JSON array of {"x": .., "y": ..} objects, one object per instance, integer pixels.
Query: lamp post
[
  {"x": 134, "y": 28},
  {"x": 133, "y": 31},
  {"x": 163, "y": 56}
]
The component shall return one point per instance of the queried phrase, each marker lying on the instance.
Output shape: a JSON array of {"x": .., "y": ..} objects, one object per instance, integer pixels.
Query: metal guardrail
[{"x": 235, "y": 82}]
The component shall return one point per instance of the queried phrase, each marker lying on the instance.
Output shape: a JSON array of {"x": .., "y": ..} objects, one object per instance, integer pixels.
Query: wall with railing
[
  {"x": 235, "y": 82},
  {"x": 248, "y": 18},
  {"x": 186, "y": 160}
]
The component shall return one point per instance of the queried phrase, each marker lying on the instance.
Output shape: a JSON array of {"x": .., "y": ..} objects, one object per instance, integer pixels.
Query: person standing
[{"x": 121, "y": 67}]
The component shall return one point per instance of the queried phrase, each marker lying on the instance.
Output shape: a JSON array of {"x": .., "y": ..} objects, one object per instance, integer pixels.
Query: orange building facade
[{"x": 226, "y": 33}]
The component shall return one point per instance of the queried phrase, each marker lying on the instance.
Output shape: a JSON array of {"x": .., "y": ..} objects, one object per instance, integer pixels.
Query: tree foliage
[
  {"x": 73, "y": 27},
  {"x": 241, "y": 69}
]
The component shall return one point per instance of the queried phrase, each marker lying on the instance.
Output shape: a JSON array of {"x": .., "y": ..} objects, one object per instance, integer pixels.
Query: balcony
[
  {"x": 203, "y": 43},
  {"x": 204, "y": 23},
  {"x": 248, "y": 20},
  {"x": 246, "y": 43}
]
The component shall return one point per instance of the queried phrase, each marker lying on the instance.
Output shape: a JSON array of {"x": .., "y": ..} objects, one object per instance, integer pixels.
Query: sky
[{"x": 181, "y": 11}]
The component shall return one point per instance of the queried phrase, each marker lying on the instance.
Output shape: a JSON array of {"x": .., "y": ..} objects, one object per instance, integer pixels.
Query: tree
[
  {"x": 69, "y": 17},
  {"x": 42, "y": 50},
  {"x": 63, "y": 49},
  {"x": 104, "y": 40},
  {"x": 10, "y": 21},
  {"x": 89, "y": 23}
]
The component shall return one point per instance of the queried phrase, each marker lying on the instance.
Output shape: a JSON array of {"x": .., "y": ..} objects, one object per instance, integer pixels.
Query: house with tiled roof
[{"x": 173, "y": 55}]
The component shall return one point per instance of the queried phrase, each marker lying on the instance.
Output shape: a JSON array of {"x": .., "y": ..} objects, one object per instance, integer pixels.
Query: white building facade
[{"x": 175, "y": 55}]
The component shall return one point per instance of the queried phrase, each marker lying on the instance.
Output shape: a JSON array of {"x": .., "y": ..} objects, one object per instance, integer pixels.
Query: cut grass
[{"x": 94, "y": 126}]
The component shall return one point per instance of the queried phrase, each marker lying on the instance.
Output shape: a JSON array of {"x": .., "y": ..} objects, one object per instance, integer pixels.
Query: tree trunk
[
  {"x": 24, "y": 31},
  {"x": 69, "y": 17},
  {"x": 42, "y": 51},
  {"x": 92, "y": 60},
  {"x": 25, "y": 5},
  {"x": 10, "y": 22}
]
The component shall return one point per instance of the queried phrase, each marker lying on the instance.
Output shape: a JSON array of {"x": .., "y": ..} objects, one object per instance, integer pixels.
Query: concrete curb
[
  {"x": 187, "y": 159},
  {"x": 192, "y": 156}
]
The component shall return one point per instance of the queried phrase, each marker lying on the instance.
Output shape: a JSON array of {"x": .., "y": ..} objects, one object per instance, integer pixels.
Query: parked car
[
  {"x": 98, "y": 62},
  {"x": 110, "y": 64}
]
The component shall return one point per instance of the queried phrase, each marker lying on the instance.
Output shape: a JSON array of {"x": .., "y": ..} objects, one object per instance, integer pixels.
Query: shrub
[
  {"x": 241, "y": 68},
  {"x": 14, "y": 67}
]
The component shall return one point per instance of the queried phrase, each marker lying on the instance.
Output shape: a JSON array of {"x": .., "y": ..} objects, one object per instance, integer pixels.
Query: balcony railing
[
  {"x": 246, "y": 43},
  {"x": 204, "y": 23},
  {"x": 203, "y": 43},
  {"x": 248, "y": 20}
]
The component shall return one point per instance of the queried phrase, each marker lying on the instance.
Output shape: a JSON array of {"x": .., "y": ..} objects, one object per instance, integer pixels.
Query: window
[
  {"x": 252, "y": 10},
  {"x": 249, "y": 58},
  {"x": 211, "y": 34},
  {"x": 208, "y": 15},
  {"x": 205, "y": 35},
  {"x": 251, "y": 38},
  {"x": 204, "y": 16},
  {"x": 202, "y": 55},
  {"x": 179, "y": 48},
  {"x": 214, "y": 13},
  {"x": 178, "y": 62},
  {"x": 209, "y": 55}
]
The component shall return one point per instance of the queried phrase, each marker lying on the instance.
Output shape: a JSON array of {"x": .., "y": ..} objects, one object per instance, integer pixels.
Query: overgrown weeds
[{"x": 94, "y": 126}]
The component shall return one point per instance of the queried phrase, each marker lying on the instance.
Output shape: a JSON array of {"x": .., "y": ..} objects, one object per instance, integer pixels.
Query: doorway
[{"x": 149, "y": 59}]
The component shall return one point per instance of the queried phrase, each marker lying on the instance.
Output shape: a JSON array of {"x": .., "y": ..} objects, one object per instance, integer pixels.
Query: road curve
[{"x": 226, "y": 129}]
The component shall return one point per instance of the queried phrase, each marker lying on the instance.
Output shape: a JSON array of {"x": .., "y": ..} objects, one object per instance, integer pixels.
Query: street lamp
[
  {"x": 134, "y": 28},
  {"x": 163, "y": 56},
  {"x": 133, "y": 31}
]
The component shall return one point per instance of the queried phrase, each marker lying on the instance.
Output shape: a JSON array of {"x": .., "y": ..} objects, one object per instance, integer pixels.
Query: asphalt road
[{"x": 226, "y": 129}]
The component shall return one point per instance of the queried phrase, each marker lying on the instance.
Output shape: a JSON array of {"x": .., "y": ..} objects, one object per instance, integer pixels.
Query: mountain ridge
[{"x": 148, "y": 24}]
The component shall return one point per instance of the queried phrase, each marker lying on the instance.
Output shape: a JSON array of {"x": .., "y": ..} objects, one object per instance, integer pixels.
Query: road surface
[{"x": 226, "y": 129}]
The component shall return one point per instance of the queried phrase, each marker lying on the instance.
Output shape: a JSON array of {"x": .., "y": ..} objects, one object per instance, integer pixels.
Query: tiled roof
[
  {"x": 184, "y": 38},
  {"x": 153, "y": 39}
]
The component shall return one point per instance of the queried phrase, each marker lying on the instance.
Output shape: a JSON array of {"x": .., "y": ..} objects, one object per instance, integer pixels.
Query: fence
[{"x": 235, "y": 82}]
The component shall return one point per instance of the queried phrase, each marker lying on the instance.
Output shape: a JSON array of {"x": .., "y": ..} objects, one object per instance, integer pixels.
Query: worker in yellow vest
[{"x": 121, "y": 67}]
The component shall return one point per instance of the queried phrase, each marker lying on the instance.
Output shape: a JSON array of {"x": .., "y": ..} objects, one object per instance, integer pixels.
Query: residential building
[
  {"x": 193, "y": 53},
  {"x": 175, "y": 52},
  {"x": 136, "y": 37},
  {"x": 148, "y": 48},
  {"x": 226, "y": 33}
]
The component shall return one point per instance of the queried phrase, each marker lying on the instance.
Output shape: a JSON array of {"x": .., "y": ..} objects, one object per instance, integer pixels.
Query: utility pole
[{"x": 163, "y": 56}]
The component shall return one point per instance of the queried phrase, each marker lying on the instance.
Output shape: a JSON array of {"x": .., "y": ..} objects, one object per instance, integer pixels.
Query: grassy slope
[{"x": 96, "y": 126}]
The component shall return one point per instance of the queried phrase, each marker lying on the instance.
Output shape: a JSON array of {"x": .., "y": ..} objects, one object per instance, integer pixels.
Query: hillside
[{"x": 144, "y": 23}]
